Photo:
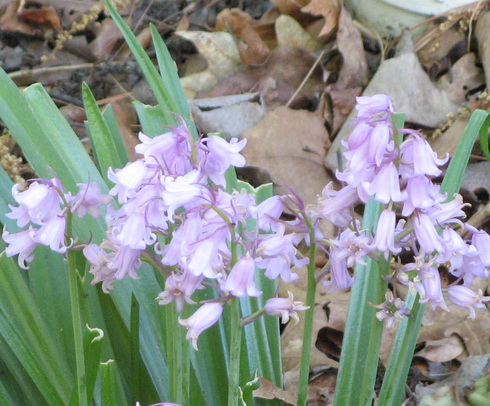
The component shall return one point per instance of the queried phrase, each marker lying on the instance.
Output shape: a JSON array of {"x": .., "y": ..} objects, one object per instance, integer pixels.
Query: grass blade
[{"x": 104, "y": 148}]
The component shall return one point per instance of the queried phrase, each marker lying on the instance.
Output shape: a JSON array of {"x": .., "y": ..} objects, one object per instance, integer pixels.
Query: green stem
[
  {"x": 178, "y": 359},
  {"x": 308, "y": 324},
  {"x": 235, "y": 346},
  {"x": 135, "y": 348},
  {"x": 77, "y": 330},
  {"x": 362, "y": 336},
  {"x": 396, "y": 374}
]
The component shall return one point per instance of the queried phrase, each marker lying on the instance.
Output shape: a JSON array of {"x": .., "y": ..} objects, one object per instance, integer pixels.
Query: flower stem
[
  {"x": 235, "y": 347},
  {"x": 308, "y": 324},
  {"x": 396, "y": 374},
  {"x": 178, "y": 359},
  {"x": 362, "y": 335},
  {"x": 81, "y": 381}
]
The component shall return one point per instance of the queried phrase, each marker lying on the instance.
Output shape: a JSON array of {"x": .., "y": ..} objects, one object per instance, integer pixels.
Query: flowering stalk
[
  {"x": 236, "y": 332},
  {"x": 308, "y": 318},
  {"x": 360, "y": 348},
  {"x": 77, "y": 324},
  {"x": 178, "y": 358}
]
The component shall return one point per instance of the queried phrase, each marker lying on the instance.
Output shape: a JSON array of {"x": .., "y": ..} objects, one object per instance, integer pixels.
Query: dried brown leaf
[
  {"x": 268, "y": 390},
  {"x": 10, "y": 21},
  {"x": 329, "y": 10},
  {"x": 354, "y": 71},
  {"x": 463, "y": 77},
  {"x": 343, "y": 101},
  {"x": 184, "y": 23},
  {"x": 443, "y": 350},
  {"x": 276, "y": 80},
  {"x": 45, "y": 17},
  {"x": 291, "y": 7},
  {"x": 221, "y": 54},
  {"x": 291, "y": 34},
  {"x": 290, "y": 145},
  {"x": 482, "y": 35},
  {"x": 253, "y": 51},
  {"x": 107, "y": 38},
  {"x": 232, "y": 115}
]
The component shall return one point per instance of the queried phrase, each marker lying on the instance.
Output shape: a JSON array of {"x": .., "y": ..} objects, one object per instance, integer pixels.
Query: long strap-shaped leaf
[{"x": 27, "y": 336}]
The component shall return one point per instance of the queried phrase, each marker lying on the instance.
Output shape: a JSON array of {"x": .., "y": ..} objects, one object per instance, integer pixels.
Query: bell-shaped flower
[
  {"x": 171, "y": 150},
  {"x": 205, "y": 259},
  {"x": 222, "y": 154},
  {"x": 279, "y": 254},
  {"x": 21, "y": 243},
  {"x": 417, "y": 156},
  {"x": 455, "y": 249},
  {"x": 336, "y": 206},
  {"x": 268, "y": 213},
  {"x": 426, "y": 233},
  {"x": 89, "y": 199},
  {"x": 448, "y": 213},
  {"x": 467, "y": 298},
  {"x": 183, "y": 191},
  {"x": 386, "y": 185},
  {"x": 392, "y": 310},
  {"x": 128, "y": 179},
  {"x": 430, "y": 288},
  {"x": 369, "y": 106},
  {"x": 472, "y": 267},
  {"x": 179, "y": 289},
  {"x": 240, "y": 282},
  {"x": 421, "y": 194},
  {"x": 207, "y": 315},
  {"x": 284, "y": 308},
  {"x": 40, "y": 202},
  {"x": 134, "y": 232},
  {"x": 353, "y": 246},
  {"x": 340, "y": 278},
  {"x": 98, "y": 260},
  {"x": 481, "y": 241},
  {"x": 359, "y": 135},
  {"x": 380, "y": 142},
  {"x": 125, "y": 261},
  {"x": 52, "y": 234},
  {"x": 384, "y": 239}
]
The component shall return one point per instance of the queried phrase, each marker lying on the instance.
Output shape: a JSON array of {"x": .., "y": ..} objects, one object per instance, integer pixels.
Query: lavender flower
[
  {"x": 207, "y": 315},
  {"x": 392, "y": 310},
  {"x": 21, "y": 243},
  {"x": 284, "y": 307},
  {"x": 52, "y": 234},
  {"x": 40, "y": 202},
  {"x": 385, "y": 234},
  {"x": 240, "y": 281},
  {"x": 463, "y": 296},
  {"x": 89, "y": 199}
]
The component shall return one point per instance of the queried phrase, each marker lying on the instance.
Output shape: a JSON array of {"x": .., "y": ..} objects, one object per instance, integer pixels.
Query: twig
[
  {"x": 28, "y": 73},
  {"x": 305, "y": 79}
]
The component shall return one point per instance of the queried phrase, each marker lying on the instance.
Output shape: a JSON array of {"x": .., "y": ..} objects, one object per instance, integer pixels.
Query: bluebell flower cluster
[{"x": 396, "y": 168}]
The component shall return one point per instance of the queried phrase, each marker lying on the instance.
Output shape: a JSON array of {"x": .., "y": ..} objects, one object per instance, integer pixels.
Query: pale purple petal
[{"x": 207, "y": 315}]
